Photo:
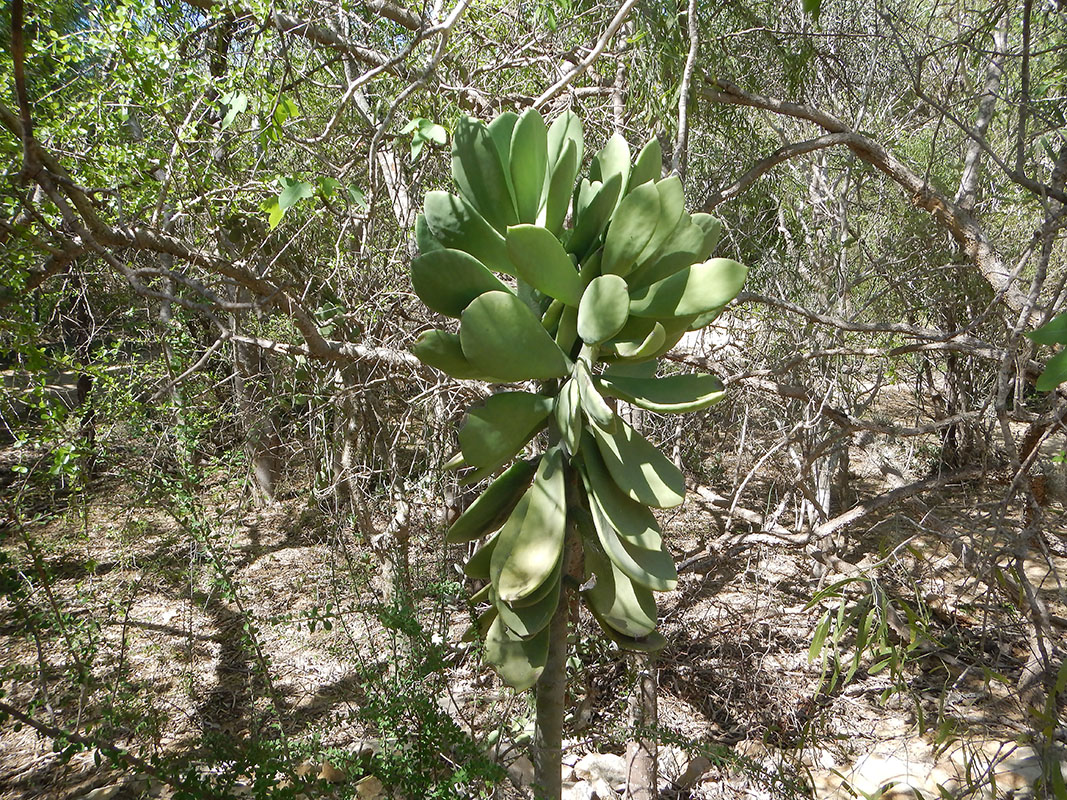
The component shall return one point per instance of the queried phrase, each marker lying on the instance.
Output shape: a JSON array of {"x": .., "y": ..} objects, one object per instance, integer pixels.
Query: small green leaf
[
  {"x": 1055, "y": 372},
  {"x": 275, "y": 212},
  {"x": 293, "y": 191},
  {"x": 1052, "y": 332},
  {"x": 237, "y": 103},
  {"x": 328, "y": 186},
  {"x": 357, "y": 198}
]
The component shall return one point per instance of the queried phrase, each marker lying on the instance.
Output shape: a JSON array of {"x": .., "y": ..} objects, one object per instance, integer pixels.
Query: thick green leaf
[
  {"x": 567, "y": 332},
  {"x": 477, "y": 566},
  {"x": 674, "y": 330},
  {"x": 529, "y": 162},
  {"x": 424, "y": 237},
  {"x": 519, "y": 662},
  {"x": 671, "y": 394},
  {"x": 542, "y": 262},
  {"x": 531, "y": 542},
  {"x": 1055, "y": 372},
  {"x": 442, "y": 350},
  {"x": 456, "y": 225},
  {"x": 447, "y": 280},
  {"x": 705, "y": 319},
  {"x": 612, "y": 160},
  {"x": 631, "y": 520},
  {"x": 652, "y": 643},
  {"x": 628, "y": 608},
  {"x": 501, "y": 337},
  {"x": 631, "y": 369},
  {"x": 712, "y": 228},
  {"x": 638, "y": 468},
  {"x": 604, "y": 309},
  {"x": 493, "y": 506},
  {"x": 565, "y": 128},
  {"x": 652, "y": 568},
  {"x": 593, "y": 404},
  {"x": 593, "y": 216},
  {"x": 568, "y": 415},
  {"x": 682, "y": 248},
  {"x": 528, "y": 620},
  {"x": 500, "y": 129},
  {"x": 478, "y": 173},
  {"x": 648, "y": 166},
  {"x": 632, "y": 227},
  {"x": 671, "y": 211},
  {"x": 1052, "y": 332},
  {"x": 495, "y": 432},
  {"x": 638, "y": 341},
  {"x": 560, "y": 187},
  {"x": 692, "y": 291}
]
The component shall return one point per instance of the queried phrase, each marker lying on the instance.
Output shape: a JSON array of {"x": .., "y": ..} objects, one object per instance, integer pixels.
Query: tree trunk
[
  {"x": 258, "y": 420},
  {"x": 642, "y": 767},
  {"x": 551, "y": 688}
]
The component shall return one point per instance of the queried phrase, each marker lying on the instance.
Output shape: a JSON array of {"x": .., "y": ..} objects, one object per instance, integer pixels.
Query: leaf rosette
[{"x": 579, "y": 285}]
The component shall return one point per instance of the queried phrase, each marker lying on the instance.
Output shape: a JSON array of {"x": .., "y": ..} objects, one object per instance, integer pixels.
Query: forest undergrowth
[{"x": 231, "y": 650}]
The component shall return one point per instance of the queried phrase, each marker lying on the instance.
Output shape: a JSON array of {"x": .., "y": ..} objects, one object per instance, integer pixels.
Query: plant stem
[
  {"x": 551, "y": 688},
  {"x": 551, "y": 694}
]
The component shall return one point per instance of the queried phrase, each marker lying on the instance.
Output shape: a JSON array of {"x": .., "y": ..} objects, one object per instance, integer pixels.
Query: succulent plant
[{"x": 580, "y": 285}]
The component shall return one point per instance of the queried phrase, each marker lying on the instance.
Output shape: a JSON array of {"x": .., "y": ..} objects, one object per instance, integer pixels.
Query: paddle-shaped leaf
[
  {"x": 595, "y": 215},
  {"x": 648, "y": 166},
  {"x": 478, "y": 173},
  {"x": 638, "y": 468},
  {"x": 604, "y": 309},
  {"x": 692, "y": 291},
  {"x": 447, "y": 280},
  {"x": 626, "y": 607},
  {"x": 493, "y": 506},
  {"x": 531, "y": 541},
  {"x": 497, "y": 431},
  {"x": 632, "y": 227},
  {"x": 442, "y": 350},
  {"x": 455, "y": 224},
  {"x": 519, "y": 662},
  {"x": 565, "y": 128},
  {"x": 560, "y": 186},
  {"x": 541, "y": 261},
  {"x": 501, "y": 337},
  {"x": 671, "y": 394},
  {"x": 529, "y": 161}
]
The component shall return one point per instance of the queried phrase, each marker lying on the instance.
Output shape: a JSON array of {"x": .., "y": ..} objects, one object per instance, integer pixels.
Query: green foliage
[
  {"x": 592, "y": 306},
  {"x": 1052, "y": 332}
]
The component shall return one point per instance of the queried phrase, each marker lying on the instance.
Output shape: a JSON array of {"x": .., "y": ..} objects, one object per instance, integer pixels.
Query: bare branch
[
  {"x": 594, "y": 53},
  {"x": 960, "y": 223}
]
